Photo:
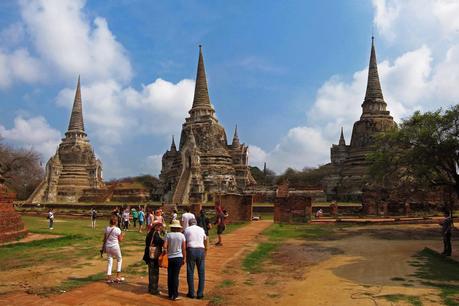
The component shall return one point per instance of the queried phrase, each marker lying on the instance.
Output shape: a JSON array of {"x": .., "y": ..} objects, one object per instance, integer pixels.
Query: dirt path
[{"x": 134, "y": 290}]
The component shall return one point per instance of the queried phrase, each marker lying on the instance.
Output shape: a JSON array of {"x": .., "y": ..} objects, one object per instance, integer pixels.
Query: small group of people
[{"x": 186, "y": 242}]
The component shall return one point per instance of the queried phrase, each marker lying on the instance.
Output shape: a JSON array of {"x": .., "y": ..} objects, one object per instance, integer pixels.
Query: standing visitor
[
  {"x": 93, "y": 218},
  {"x": 196, "y": 247},
  {"x": 158, "y": 216},
  {"x": 126, "y": 219},
  {"x": 118, "y": 215},
  {"x": 204, "y": 222},
  {"x": 50, "y": 218},
  {"x": 175, "y": 247},
  {"x": 141, "y": 219},
  {"x": 154, "y": 243},
  {"x": 221, "y": 214},
  {"x": 186, "y": 217},
  {"x": 174, "y": 215},
  {"x": 112, "y": 238},
  {"x": 150, "y": 219},
  {"x": 135, "y": 216},
  {"x": 446, "y": 227}
]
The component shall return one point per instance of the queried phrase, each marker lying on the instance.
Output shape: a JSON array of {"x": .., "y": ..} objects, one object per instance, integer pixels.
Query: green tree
[{"x": 422, "y": 152}]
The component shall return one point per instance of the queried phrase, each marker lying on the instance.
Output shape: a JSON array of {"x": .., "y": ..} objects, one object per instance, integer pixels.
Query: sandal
[{"x": 119, "y": 280}]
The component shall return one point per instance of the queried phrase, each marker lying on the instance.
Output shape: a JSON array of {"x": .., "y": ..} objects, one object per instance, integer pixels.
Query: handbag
[
  {"x": 163, "y": 260},
  {"x": 102, "y": 250}
]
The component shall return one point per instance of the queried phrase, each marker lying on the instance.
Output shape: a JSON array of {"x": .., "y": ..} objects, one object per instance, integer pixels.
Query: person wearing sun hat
[{"x": 175, "y": 247}]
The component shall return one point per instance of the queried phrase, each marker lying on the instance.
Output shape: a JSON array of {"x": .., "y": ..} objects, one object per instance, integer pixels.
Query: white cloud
[
  {"x": 153, "y": 164},
  {"x": 33, "y": 133},
  {"x": 257, "y": 156},
  {"x": 19, "y": 66}
]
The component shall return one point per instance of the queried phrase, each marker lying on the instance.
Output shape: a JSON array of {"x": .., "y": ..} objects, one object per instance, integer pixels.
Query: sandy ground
[
  {"x": 357, "y": 266},
  {"x": 32, "y": 237},
  {"x": 134, "y": 290}
]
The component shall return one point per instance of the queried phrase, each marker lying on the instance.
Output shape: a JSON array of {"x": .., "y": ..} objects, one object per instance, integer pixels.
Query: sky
[{"x": 290, "y": 74}]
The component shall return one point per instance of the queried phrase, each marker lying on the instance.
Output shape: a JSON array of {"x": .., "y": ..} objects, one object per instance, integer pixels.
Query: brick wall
[
  {"x": 11, "y": 225},
  {"x": 239, "y": 207},
  {"x": 292, "y": 209}
]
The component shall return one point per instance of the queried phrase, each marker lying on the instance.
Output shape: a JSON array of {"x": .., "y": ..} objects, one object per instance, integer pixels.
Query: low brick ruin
[
  {"x": 11, "y": 225},
  {"x": 292, "y": 209},
  {"x": 239, "y": 207}
]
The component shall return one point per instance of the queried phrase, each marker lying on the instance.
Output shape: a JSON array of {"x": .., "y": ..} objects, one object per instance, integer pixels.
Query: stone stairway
[{"x": 182, "y": 187}]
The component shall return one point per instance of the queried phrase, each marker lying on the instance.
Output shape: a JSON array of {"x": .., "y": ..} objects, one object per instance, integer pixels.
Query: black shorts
[{"x": 220, "y": 229}]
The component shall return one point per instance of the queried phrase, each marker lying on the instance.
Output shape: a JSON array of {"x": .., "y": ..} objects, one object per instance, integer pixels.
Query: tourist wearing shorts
[
  {"x": 175, "y": 247},
  {"x": 221, "y": 214},
  {"x": 141, "y": 219},
  {"x": 196, "y": 247},
  {"x": 113, "y": 236},
  {"x": 154, "y": 238}
]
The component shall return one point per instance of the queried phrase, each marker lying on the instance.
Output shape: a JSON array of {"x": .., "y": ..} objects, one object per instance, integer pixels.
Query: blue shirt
[{"x": 141, "y": 216}]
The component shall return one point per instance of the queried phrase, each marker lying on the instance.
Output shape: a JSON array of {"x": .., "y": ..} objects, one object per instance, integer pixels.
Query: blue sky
[{"x": 289, "y": 73}]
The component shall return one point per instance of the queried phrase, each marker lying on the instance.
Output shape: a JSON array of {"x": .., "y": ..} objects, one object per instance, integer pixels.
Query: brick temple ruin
[
  {"x": 204, "y": 163},
  {"x": 349, "y": 162},
  {"x": 11, "y": 226},
  {"x": 74, "y": 167}
]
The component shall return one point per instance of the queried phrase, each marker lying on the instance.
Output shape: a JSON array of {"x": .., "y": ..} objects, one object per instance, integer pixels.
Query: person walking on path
[
  {"x": 150, "y": 219},
  {"x": 126, "y": 219},
  {"x": 93, "y": 218},
  {"x": 154, "y": 243},
  {"x": 446, "y": 228},
  {"x": 141, "y": 219},
  {"x": 135, "y": 216},
  {"x": 112, "y": 238},
  {"x": 186, "y": 217},
  {"x": 175, "y": 247},
  {"x": 196, "y": 247},
  {"x": 204, "y": 222},
  {"x": 50, "y": 218},
  {"x": 221, "y": 214}
]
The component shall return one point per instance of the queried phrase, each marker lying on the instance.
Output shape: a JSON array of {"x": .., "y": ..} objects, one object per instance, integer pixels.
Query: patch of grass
[
  {"x": 413, "y": 300},
  {"x": 138, "y": 268},
  {"x": 438, "y": 271},
  {"x": 226, "y": 283},
  {"x": 278, "y": 232},
  {"x": 216, "y": 300},
  {"x": 253, "y": 261}
]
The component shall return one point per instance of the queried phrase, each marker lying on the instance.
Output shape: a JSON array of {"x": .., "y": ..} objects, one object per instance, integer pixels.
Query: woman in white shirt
[
  {"x": 175, "y": 246},
  {"x": 113, "y": 236}
]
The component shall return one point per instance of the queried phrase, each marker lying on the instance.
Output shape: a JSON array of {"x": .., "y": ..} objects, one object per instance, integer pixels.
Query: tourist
[
  {"x": 126, "y": 219},
  {"x": 150, "y": 219},
  {"x": 204, "y": 222},
  {"x": 93, "y": 218},
  {"x": 158, "y": 216},
  {"x": 221, "y": 215},
  {"x": 186, "y": 217},
  {"x": 175, "y": 247},
  {"x": 174, "y": 215},
  {"x": 319, "y": 213},
  {"x": 112, "y": 238},
  {"x": 50, "y": 218},
  {"x": 135, "y": 216},
  {"x": 155, "y": 238},
  {"x": 196, "y": 247},
  {"x": 446, "y": 227},
  {"x": 141, "y": 219}
]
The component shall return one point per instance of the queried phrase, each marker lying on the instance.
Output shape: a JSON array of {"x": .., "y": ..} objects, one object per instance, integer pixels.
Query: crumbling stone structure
[
  {"x": 11, "y": 225},
  {"x": 292, "y": 209},
  {"x": 204, "y": 162},
  {"x": 349, "y": 161},
  {"x": 239, "y": 207},
  {"x": 74, "y": 167}
]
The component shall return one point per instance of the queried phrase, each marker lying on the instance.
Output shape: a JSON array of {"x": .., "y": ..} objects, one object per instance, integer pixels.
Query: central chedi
[
  {"x": 349, "y": 162},
  {"x": 204, "y": 163},
  {"x": 74, "y": 167}
]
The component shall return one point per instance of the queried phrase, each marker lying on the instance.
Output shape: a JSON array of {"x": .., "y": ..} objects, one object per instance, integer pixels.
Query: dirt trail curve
[{"x": 134, "y": 290}]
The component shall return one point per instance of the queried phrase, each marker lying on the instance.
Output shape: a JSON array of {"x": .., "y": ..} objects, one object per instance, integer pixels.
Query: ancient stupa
[
  {"x": 74, "y": 167},
  {"x": 204, "y": 163},
  {"x": 349, "y": 161}
]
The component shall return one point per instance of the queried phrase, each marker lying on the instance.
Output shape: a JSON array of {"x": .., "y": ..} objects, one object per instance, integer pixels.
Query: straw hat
[{"x": 176, "y": 224}]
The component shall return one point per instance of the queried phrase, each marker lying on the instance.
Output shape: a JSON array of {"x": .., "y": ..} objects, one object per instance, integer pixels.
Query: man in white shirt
[
  {"x": 196, "y": 247},
  {"x": 186, "y": 217}
]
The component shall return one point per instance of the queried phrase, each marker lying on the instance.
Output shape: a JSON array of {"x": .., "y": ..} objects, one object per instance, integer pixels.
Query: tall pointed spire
[
  {"x": 173, "y": 147},
  {"x": 342, "y": 141},
  {"x": 373, "y": 103},
  {"x": 235, "y": 138},
  {"x": 201, "y": 100},
  {"x": 76, "y": 118}
]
